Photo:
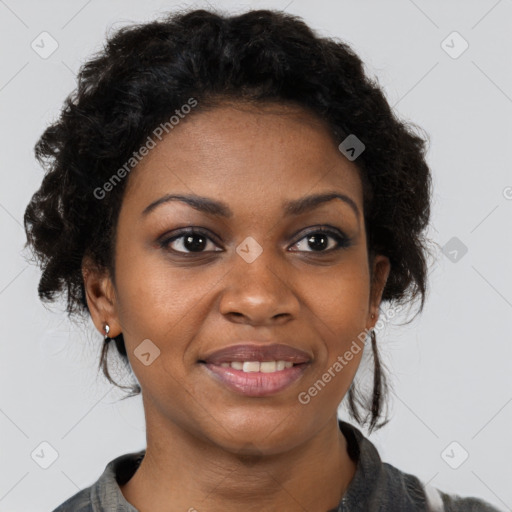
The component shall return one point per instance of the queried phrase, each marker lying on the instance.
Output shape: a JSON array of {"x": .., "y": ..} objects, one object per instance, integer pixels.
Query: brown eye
[
  {"x": 320, "y": 240},
  {"x": 189, "y": 241}
]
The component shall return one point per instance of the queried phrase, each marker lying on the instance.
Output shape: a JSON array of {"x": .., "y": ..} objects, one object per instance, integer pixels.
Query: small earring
[{"x": 107, "y": 330}]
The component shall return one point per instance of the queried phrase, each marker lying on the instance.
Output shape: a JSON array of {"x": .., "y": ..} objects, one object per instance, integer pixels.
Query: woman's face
[{"x": 255, "y": 275}]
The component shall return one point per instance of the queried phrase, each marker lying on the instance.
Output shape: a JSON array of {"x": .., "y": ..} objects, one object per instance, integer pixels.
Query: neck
[{"x": 181, "y": 472}]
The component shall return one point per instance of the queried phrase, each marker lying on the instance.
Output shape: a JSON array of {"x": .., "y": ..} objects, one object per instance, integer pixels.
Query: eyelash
[{"x": 341, "y": 239}]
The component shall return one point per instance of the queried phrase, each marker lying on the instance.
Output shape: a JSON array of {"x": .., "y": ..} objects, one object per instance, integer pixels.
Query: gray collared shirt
[{"x": 376, "y": 486}]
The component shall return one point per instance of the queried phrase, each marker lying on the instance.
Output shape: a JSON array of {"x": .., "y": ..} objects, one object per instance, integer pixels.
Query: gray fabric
[{"x": 376, "y": 486}]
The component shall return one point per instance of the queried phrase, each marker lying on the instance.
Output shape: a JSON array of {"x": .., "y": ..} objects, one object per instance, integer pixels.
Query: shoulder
[
  {"x": 455, "y": 503},
  {"x": 105, "y": 493},
  {"x": 80, "y": 502},
  {"x": 434, "y": 499},
  {"x": 378, "y": 486}
]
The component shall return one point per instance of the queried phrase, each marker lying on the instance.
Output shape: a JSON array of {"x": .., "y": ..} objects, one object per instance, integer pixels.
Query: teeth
[
  {"x": 268, "y": 366},
  {"x": 256, "y": 366},
  {"x": 251, "y": 366}
]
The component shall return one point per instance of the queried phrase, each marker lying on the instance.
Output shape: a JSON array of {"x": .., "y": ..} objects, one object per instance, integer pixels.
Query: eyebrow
[{"x": 220, "y": 209}]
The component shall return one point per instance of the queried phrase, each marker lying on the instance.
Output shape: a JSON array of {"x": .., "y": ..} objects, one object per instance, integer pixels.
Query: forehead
[{"x": 241, "y": 150}]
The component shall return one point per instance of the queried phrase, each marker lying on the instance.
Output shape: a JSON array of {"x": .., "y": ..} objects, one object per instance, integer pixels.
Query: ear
[
  {"x": 381, "y": 269},
  {"x": 101, "y": 298}
]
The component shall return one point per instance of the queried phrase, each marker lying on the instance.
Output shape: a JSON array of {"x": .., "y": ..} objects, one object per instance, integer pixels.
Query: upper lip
[{"x": 254, "y": 352}]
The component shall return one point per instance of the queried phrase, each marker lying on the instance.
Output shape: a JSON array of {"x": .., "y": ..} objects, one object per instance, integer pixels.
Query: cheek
[
  {"x": 340, "y": 314},
  {"x": 346, "y": 347},
  {"x": 153, "y": 296},
  {"x": 335, "y": 372},
  {"x": 163, "y": 304},
  {"x": 341, "y": 296}
]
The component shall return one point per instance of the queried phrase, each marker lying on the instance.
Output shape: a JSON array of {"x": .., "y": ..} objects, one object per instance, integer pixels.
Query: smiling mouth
[
  {"x": 254, "y": 378},
  {"x": 256, "y": 370},
  {"x": 257, "y": 366}
]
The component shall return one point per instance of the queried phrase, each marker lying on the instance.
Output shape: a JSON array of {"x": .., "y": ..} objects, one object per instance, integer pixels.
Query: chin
[{"x": 257, "y": 434}]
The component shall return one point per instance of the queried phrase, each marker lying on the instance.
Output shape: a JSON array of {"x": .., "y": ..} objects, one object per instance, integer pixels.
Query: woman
[{"x": 231, "y": 199}]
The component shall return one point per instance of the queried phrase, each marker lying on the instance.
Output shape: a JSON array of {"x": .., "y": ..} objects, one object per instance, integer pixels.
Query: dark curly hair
[{"x": 146, "y": 72}]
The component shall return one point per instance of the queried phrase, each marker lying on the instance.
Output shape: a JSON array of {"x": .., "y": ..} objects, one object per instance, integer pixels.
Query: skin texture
[{"x": 208, "y": 447}]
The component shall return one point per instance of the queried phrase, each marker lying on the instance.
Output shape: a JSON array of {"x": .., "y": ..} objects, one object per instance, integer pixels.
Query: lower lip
[{"x": 256, "y": 383}]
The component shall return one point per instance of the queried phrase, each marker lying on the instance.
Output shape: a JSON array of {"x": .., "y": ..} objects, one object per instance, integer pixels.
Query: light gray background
[{"x": 451, "y": 368}]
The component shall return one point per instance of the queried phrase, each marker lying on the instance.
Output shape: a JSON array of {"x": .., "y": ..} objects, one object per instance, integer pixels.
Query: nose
[{"x": 259, "y": 293}]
